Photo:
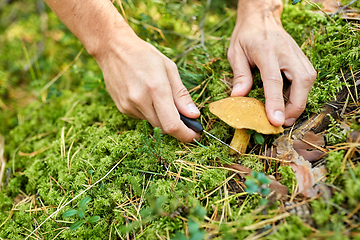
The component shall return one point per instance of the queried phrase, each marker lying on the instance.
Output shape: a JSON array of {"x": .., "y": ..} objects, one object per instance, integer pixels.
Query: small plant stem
[
  {"x": 352, "y": 97},
  {"x": 87, "y": 221},
  {"x": 32, "y": 72}
]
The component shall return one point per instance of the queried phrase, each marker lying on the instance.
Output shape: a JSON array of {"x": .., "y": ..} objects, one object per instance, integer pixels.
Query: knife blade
[{"x": 197, "y": 127}]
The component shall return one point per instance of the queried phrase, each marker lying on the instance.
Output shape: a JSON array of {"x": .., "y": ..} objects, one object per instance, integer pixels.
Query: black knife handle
[{"x": 192, "y": 123}]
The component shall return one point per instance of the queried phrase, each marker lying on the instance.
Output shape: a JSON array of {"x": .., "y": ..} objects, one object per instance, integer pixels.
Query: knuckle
[
  {"x": 239, "y": 74},
  {"x": 313, "y": 75},
  {"x": 231, "y": 53},
  {"x": 277, "y": 98},
  {"x": 275, "y": 80},
  {"x": 135, "y": 98},
  {"x": 172, "y": 65},
  {"x": 182, "y": 92},
  {"x": 153, "y": 89},
  {"x": 310, "y": 78},
  {"x": 121, "y": 109},
  {"x": 170, "y": 128},
  {"x": 125, "y": 108},
  {"x": 299, "y": 107}
]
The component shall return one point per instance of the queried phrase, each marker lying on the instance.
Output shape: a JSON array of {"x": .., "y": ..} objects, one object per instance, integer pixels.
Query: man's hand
[
  {"x": 142, "y": 81},
  {"x": 145, "y": 84},
  {"x": 260, "y": 40}
]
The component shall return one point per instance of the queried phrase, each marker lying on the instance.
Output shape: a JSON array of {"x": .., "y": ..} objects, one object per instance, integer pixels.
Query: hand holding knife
[{"x": 197, "y": 127}]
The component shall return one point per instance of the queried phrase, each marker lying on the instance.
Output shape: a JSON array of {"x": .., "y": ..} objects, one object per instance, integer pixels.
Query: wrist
[
  {"x": 114, "y": 37},
  {"x": 264, "y": 8},
  {"x": 107, "y": 32}
]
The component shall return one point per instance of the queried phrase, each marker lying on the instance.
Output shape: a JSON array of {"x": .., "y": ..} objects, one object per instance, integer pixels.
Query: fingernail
[
  {"x": 290, "y": 121},
  {"x": 237, "y": 87},
  {"x": 192, "y": 108},
  {"x": 279, "y": 115}
]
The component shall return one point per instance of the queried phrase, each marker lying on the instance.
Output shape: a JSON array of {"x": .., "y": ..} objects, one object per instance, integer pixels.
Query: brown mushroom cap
[{"x": 244, "y": 112}]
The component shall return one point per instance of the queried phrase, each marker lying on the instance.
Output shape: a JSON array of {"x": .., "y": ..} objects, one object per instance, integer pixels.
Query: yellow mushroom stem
[{"x": 240, "y": 141}]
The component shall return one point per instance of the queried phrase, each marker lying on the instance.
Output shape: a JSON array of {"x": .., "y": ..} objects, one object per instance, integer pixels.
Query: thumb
[
  {"x": 182, "y": 98},
  {"x": 243, "y": 81}
]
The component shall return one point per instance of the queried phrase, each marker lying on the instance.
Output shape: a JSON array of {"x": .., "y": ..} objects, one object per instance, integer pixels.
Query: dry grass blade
[
  {"x": 60, "y": 73},
  {"x": 219, "y": 187},
  {"x": 266, "y": 222},
  {"x": 2, "y": 159},
  {"x": 32, "y": 154},
  {"x": 256, "y": 236}
]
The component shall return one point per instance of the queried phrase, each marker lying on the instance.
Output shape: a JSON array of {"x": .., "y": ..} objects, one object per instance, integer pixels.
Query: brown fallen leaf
[
  {"x": 309, "y": 151},
  {"x": 280, "y": 191},
  {"x": 353, "y": 137},
  {"x": 306, "y": 175}
]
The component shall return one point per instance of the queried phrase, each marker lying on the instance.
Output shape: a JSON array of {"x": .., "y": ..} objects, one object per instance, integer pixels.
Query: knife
[{"x": 197, "y": 127}]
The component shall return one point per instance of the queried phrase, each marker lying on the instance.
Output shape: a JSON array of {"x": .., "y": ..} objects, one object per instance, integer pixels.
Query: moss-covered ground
[{"x": 63, "y": 133}]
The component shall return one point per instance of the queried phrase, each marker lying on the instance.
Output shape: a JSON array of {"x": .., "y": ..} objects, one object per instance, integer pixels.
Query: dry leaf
[
  {"x": 306, "y": 176},
  {"x": 307, "y": 151},
  {"x": 277, "y": 188}
]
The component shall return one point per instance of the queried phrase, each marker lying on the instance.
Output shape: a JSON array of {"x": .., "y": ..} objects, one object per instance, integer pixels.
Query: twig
[
  {"x": 317, "y": 6},
  {"x": 342, "y": 8},
  {"x": 60, "y": 233}
]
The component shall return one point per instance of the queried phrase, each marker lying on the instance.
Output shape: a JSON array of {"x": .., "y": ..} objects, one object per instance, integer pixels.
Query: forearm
[{"x": 94, "y": 22}]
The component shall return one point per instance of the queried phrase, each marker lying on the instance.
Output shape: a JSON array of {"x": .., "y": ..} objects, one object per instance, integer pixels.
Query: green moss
[
  {"x": 212, "y": 178},
  {"x": 75, "y": 121},
  {"x": 335, "y": 134},
  {"x": 294, "y": 229},
  {"x": 334, "y": 162},
  {"x": 288, "y": 177},
  {"x": 252, "y": 162}
]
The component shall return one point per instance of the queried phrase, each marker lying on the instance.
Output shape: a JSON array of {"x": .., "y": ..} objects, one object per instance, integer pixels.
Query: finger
[
  {"x": 302, "y": 75},
  {"x": 243, "y": 81},
  {"x": 150, "y": 114},
  {"x": 182, "y": 98},
  {"x": 140, "y": 104},
  {"x": 168, "y": 114},
  {"x": 273, "y": 85}
]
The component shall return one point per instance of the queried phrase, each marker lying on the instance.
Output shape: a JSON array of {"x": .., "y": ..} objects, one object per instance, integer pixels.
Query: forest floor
[{"x": 72, "y": 166}]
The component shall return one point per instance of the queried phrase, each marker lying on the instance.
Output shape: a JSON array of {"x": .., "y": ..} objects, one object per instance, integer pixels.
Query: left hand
[{"x": 260, "y": 40}]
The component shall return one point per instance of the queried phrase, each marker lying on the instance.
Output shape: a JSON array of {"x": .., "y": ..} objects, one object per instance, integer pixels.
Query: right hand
[{"x": 145, "y": 84}]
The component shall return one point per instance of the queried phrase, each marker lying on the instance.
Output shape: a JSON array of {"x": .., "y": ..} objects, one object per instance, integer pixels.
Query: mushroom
[{"x": 243, "y": 113}]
